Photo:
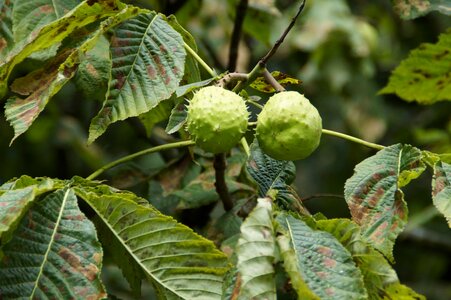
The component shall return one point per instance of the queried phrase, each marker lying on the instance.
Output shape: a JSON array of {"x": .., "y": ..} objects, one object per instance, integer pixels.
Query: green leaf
[
  {"x": 401, "y": 292},
  {"x": 14, "y": 202},
  {"x": 54, "y": 253},
  {"x": 148, "y": 64},
  {"x": 50, "y": 34},
  {"x": 377, "y": 272},
  {"x": 374, "y": 197},
  {"x": 180, "y": 263},
  {"x": 192, "y": 73},
  {"x": 318, "y": 265},
  {"x": 424, "y": 75},
  {"x": 94, "y": 70},
  {"x": 256, "y": 252},
  {"x": 408, "y": 9},
  {"x": 274, "y": 175},
  {"x": 187, "y": 88},
  {"x": 32, "y": 15},
  {"x": 441, "y": 189},
  {"x": 157, "y": 114},
  {"x": 259, "y": 19},
  {"x": 177, "y": 118},
  {"x": 6, "y": 31},
  {"x": 261, "y": 85}
]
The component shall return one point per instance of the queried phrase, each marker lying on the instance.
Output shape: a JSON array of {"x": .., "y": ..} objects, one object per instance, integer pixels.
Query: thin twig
[
  {"x": 219, "y": 164},
  {"x": 236, "y": 34},
  {"x": 140, "y": 153},
  {"x": 279, "y": 42},
  {"x": 232, "y": 78},
  {"x": 272, "y": 81}
]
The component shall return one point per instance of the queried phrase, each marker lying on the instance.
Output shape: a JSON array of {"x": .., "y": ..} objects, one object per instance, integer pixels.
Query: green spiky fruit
[
  {"x": 289, "y": 127},
  {"x": 217, "y": 119}
]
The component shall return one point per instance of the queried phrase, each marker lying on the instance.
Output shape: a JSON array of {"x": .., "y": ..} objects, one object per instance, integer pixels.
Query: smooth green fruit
[
  {"x": 289, "y": 127},
  {"x": 217, "y": 119}
]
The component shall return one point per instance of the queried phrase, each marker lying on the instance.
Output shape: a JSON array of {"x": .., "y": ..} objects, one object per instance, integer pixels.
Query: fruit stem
[
  {"x": 245, "y": 146},
  {"x": 254, "y": 103},
  {"x": 140, "y": 153},
  {"x": 219, "y": 164},
  {"x": 353, "y": 139},
  {"x": 200, "y": 60}
]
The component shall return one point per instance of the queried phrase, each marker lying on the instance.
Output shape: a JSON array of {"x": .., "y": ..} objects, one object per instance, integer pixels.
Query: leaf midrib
[
  {"x": 52, "y": 239},
  {"x": 129, "y": 250}
]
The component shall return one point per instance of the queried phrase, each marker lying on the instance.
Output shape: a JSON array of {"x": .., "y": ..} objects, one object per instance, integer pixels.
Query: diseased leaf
[
  {"x": 261, "y": 85},
  {"x": 31, "y": 15},
  {"x": 377, "y": 272},
  {"x": 42, "y": 84},
  {"x": 6, "y": 31},
  {"x": 424, "y": 76},
  {"x": 374, "y": 197},
  {"x": 180, "y": 263},
  {"x": 318, "y": 265},
  {"x": 274, "y": 175},
  {"x": 94, "y": 71},
  {"x": 14, "y": 202},
  {"x": 256, "y": 252},
  {"x": 53, "y": 33},
  {"x": 54, "y": 253},
  {"x": 148, "y": 64},
  {"x": 409, "y": 9},
  {"x": 441, "y": 189}
]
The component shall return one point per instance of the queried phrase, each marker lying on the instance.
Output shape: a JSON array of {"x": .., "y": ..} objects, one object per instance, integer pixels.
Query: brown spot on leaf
[
  {"x": 92, "y": 70},
  {"x": 329, "y": 263},
  {"x": 151, "y": 72},
  {"x": 46, "y": 9},
  {"x": 326, "y": 251},
  {"x": 3, "y": 44},
  {"x": 322, "y": 274}
]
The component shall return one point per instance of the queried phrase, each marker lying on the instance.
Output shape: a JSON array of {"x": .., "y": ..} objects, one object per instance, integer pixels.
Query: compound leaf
[
  {"x": 44, "y": 83},
  {"x": 256, "y": 251},
  {"x": 424, "y": 75},
  {"x": 148, "y": 64},
  {"x": 441, "y": 189},
  {"x": 273, "y": 175},
  {"x": 408, "y": 9},
  {"x": 179, "y": 263},
  {"x": 85, "y": 13},
  {"x": 374, "y": 197},
  {"x": 318, "y": 265},
  {"x": 54, "y": 253}
]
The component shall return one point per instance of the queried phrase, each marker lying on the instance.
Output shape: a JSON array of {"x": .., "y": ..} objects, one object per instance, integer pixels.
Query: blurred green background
[{"x": 343, "y": 51}]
